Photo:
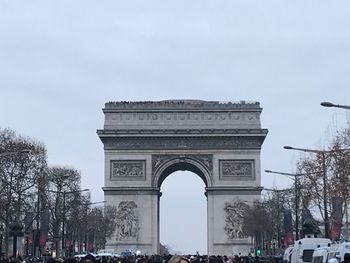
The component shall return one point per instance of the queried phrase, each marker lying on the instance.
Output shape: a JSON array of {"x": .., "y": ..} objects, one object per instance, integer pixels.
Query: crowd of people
[{"x": 150, "y": 259}]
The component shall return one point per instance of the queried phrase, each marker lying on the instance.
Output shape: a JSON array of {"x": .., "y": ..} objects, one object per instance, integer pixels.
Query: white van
[
  {"x": 105, "y": 253},
  {"x": 344, "y": 252},
  {"x": 340, "y": 251},
  {"x": 320, "y": 255},
  {"x": 333, "y": 252},
  {"x": 304, "y": 248}
]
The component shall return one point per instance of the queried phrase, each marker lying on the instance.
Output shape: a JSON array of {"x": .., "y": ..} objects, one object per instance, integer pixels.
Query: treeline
[
  {"x": 46, "y": 204},
  {"x": 323, "y": 180}
]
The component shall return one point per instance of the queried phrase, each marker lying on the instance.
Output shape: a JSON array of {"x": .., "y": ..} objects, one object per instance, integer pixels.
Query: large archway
[
  {"x": 144, "y": 142},
  {"x": 166, "y": 164},
  {"x": 183, "y": 214}
]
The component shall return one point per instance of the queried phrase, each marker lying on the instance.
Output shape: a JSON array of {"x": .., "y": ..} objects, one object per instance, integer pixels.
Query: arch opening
[
  {"x": 183, "y": 213},
  {"x": 181, "y": 165}
]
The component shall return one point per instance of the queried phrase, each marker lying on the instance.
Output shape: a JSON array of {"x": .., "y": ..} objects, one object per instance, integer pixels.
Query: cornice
[
  {"x": 235, "y": 190},
  {"x": 182, "y": 142},
  {"x": 131, "y": 191},
  {"x": 181, "y": 132}
]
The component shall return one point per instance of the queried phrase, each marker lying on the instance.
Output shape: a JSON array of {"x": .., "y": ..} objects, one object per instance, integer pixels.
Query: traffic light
[{"x": 257, "y": 251}]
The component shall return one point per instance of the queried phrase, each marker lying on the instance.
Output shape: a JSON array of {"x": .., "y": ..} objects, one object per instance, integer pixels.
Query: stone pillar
[
  {"x": 137, "y": 227},
  {"x": 225, "y": 206}
]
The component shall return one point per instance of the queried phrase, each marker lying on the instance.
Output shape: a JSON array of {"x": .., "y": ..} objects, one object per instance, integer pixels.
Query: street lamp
[
  {"x": 329, "y": 104},
  {"x": 324, "y": 171},
  {"x": 276, "y": 190},
  {"x": 1, "y": 236},
  {"x": 295, "y": 176},
  {"x": 274, "y": 245}
]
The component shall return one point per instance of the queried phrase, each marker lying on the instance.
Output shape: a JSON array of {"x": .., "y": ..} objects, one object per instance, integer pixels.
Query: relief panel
[
  {"x": 237, "y": 169},
  {"x": 128, "y": 170},
  {"x": 127, "y": 221},
  {"x": 234, "y": 220}
]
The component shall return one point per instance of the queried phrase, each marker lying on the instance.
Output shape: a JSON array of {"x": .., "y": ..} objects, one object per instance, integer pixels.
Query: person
[
  {"x": 70, "y": 260},
  {"x": 89, "y": 259},
  {"x": 333, "y": 260},
  {"x": 51, "y": 260},
  {"x": 178, "y": 259},
  {"x": 346, "y": 258}
]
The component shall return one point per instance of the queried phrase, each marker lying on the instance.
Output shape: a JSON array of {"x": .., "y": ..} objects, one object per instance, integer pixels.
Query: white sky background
[{"x": 60, "y": 61}]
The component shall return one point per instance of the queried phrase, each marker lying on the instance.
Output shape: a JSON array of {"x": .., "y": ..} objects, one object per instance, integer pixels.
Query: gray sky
[{"x": 60, "y": 61}]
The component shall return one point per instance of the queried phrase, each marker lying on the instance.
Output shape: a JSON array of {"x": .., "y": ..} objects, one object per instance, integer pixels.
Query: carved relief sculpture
[
  {"x": 234, "y": 220},
  {"x": 128, "y": 169},
  {"x": 127, "y": 221},
  {"x": 205, "y": 159},
  {"x": 242, "y": 169}
]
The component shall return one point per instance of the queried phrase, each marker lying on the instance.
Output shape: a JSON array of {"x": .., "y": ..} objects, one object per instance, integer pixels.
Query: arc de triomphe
[{"x": 144, "y": 142}]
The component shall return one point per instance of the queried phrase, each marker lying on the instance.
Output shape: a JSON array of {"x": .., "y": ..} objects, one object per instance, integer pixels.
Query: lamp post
[
  {"x": 274, "y": 245},
  {"x": 324, "y": 172},
  {"x": 295, "y": 176},
  {"x": 1, "y": 236},
  {"x": 329, "y": 104}
]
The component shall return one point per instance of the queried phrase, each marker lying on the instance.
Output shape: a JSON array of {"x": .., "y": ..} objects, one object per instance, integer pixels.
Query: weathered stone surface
[{"x": 144, "y": 142}]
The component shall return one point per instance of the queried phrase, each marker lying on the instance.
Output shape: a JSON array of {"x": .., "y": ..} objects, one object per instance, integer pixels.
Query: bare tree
[
  {"x": 257, "y": 223},
  {"x": 62, "y": 195},
  {"x": 275, "y": 203},
  {"x": 23, "y": 161},
  {"x": 337, "y": 171},
  {"x": 340, "y": 169},
  {"x": 102, "y": 223}
]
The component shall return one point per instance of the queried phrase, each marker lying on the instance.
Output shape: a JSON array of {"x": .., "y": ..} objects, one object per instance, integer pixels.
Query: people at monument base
[{"x": 196, "y": 258}]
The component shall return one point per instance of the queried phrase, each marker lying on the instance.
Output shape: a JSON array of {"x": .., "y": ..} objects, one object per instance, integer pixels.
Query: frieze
[
  {"x": 242, "y": 132},
  {"x": 205, "y": 159},
  {"x": 182, "y": 143},
  {"x": 236, "y": 169},
  {"x": 171, "y": 116},
  {"x": 206, "y": 118},
  {"x": 128, "y": 169}
]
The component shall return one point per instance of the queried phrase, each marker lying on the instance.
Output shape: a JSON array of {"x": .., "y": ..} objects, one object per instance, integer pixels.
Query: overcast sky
[{"x": 60, "y": 61}]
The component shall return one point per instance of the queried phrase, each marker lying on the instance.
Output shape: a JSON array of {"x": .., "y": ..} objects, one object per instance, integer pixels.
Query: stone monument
[{"x": 144, "y": 142}]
